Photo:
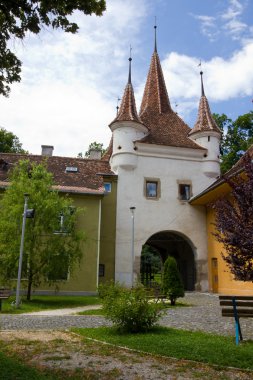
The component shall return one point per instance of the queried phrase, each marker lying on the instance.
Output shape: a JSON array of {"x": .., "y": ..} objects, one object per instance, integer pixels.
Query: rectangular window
[
  {"x": 152, "y": 188},
  {"x": 108, "y": 187},
  {"x": 184, "y": 192},
  {"x": 101, "y": 270}
]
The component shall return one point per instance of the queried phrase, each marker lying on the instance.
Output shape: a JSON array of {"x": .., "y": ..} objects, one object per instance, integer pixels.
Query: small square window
[
  {"x": 101, "y": 270},
  {"x": 108, "y": 187},
  {"x": 184, "y": 192},
  {"x": 151, "y": 189}
]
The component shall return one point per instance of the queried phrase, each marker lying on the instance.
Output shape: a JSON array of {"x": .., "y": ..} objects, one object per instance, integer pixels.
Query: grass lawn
[
  {"x": 39, "y": 303},
  {"x": 197, "y": 346},
  {"x": 11, "y": 368}
]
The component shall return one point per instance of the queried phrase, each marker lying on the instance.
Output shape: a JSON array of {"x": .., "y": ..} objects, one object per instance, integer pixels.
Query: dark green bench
[
  {"x": 4, "y": 295},
  {"x": 237, "y": 307}
]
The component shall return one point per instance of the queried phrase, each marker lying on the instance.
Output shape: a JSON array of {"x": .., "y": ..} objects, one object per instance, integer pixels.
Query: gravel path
[{"x": 203, "y": 314}]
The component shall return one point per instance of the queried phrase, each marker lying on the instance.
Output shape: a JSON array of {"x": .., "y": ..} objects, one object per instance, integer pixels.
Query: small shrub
[
  {"x": 129, "y": 309},
  {"x": 172, "y": 283}
]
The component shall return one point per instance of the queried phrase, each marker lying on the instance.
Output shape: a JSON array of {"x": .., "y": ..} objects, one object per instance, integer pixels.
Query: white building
[{"x": 161, "y": 163}]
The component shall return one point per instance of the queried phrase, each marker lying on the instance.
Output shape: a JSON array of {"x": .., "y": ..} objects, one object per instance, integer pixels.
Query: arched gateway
[{"x": 170, "y": 243}]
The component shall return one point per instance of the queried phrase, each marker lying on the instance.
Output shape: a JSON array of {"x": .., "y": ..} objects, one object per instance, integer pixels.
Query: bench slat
[
  {"x": 238, "y": 303},
  {"x": 245, "y": 313},
  {"x": 249, "y": 298}
]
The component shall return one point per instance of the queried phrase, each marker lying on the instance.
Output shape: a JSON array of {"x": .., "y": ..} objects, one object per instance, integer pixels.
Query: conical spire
[
  {"x": 127, "y": 110},
  {"x": 205, "y": 120},
  {"x": 155, "y": 97}
]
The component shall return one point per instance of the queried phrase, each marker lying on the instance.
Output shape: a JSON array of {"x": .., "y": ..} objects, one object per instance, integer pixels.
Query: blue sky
[{"x": 70, "y": 83}]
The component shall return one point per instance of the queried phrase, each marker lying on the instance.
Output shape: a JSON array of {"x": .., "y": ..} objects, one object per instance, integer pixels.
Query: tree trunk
[{"x": 29, "y": 286}]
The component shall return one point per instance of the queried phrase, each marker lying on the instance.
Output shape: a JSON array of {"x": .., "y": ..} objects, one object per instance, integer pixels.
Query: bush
[
  {"x": 129, "y": 309},
  {"x": 172, "y": 283}
]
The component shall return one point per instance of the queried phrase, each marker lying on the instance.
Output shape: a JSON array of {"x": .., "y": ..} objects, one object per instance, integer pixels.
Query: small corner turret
[
  {"x": 126, "y": 128},
  {"x": 207, "y": 134}
]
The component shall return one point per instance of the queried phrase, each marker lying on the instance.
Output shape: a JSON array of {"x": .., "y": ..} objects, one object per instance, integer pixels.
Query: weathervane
[
  {"x": 155, "y": 27},
  {"x": 117, "y": 108}
]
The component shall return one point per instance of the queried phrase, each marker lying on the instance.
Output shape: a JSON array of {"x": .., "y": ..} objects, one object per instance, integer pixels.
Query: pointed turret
[
  {"x": 126, "y": 128},
  {"x": 127, "y": 110},
  {"x": 205, "y": 120},
  {"x": 155, "y": 95},
  {"x": 207, "y": 134},
  {"x": 165, "y": 126}
]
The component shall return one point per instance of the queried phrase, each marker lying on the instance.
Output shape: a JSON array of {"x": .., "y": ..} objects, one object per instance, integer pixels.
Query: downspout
[{"x": 99, "y": 232}]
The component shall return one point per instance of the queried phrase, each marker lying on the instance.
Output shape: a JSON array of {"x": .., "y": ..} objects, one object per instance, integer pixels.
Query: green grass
[
  {"x": 197, "y": 346},
  {"x": 39, "y": 303},
  {"x": 11, "y": 368}
]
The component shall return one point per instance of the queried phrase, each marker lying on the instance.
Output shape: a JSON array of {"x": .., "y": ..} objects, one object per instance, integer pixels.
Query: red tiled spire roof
[
  {"x": 165, "y": 126},
  {"x": 155, "y": 97},
  {"x": 205, "y": 121},
  {"x": 127, "y": 111}
]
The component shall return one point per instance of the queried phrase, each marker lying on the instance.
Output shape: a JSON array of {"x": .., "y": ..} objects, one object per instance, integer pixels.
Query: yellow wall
[{"x": 226, "y": 283}]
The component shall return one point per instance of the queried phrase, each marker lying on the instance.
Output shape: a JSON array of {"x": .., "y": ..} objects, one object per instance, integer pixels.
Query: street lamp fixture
[{"x": 132, "y": 210}]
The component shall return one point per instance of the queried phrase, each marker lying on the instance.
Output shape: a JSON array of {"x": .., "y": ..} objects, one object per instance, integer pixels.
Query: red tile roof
[
  {"x": 85, "y": 180},
  {"x": 166, "y": 127},
  {"x": 127, "y": 111}
]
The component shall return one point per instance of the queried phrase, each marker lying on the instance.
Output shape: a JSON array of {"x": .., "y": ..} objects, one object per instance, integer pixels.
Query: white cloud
[
  {"x": 223, "y": 79},
  {"x": 68, "y": 94}
]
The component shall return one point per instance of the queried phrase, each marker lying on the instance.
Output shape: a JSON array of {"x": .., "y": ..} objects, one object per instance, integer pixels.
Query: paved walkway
[{"x": 203, "y": 313}]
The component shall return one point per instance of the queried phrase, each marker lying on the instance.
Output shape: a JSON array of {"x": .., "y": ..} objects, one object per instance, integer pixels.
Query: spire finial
[
  {"x": 117, "y": 108},
  {"x": 202, "y": 85},
  {"x": 155, "y": 27},
  {"x": 130, "y": 60}
]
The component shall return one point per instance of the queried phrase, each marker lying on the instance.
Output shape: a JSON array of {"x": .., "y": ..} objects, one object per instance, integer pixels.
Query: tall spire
[
  {"x": 202, "y": 85},
  {"x": 205, "y": 120},
  {"x": 130, "y": 60},
  {"x": 127, "y": 110},
  {"x": 155, "y": 97},
  {"x": 155, "y": 27}
]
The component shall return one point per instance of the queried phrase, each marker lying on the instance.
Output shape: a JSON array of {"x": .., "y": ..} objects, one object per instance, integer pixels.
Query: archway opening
[{"x": 164, "y": 244}]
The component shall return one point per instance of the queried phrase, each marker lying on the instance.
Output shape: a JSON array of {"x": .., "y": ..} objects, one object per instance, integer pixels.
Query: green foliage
[
  {"x": 189, "y": 345},
  {"x": 17, "y": 18},
  {"x": 150, "y": 256},
  {"x": 44, "y": 250},
  {"x": 93, "y": 146},
  {"x": 9, "y": 143},
  {"x": 172, "y": 283},
  {"x": 237, "y": 138},
  {"x": 129, "y": 309}
]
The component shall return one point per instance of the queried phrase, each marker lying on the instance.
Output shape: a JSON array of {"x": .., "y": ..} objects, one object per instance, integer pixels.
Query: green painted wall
[
  {"x": 84, "y": 277},
  {"x": 108, "y": 231}
]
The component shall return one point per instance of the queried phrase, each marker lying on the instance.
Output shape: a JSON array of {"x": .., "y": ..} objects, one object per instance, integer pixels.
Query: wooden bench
[
  {"x": 4, "y": 295},
  {"x": 237, "y": 307},
  {"x": 155, "y": 293}
]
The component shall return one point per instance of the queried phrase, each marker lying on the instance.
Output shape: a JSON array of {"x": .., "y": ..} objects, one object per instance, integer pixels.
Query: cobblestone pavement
[{"x": 203, "y": 313}]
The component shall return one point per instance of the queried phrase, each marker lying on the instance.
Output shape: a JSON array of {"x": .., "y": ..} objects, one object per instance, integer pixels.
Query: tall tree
[
  {"x": 237, "y": 137},
  {"x": 9, "y": 143},
  {"x": 52, "y": 244},
  {"x": 17, "y": 18},
  {"x": 234, "y": 221}
]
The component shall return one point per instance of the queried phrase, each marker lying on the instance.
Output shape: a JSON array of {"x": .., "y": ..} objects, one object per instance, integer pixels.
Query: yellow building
[{"x": 221, "y": 280}]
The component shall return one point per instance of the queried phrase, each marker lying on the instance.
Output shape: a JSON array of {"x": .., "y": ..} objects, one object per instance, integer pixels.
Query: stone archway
[{"x": 170, "y": 243}]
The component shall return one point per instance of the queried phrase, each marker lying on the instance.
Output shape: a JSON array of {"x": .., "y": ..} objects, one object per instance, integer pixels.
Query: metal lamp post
[
  {"x": 132, "y": 209},
  {"x": 28, "y": 213}
]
